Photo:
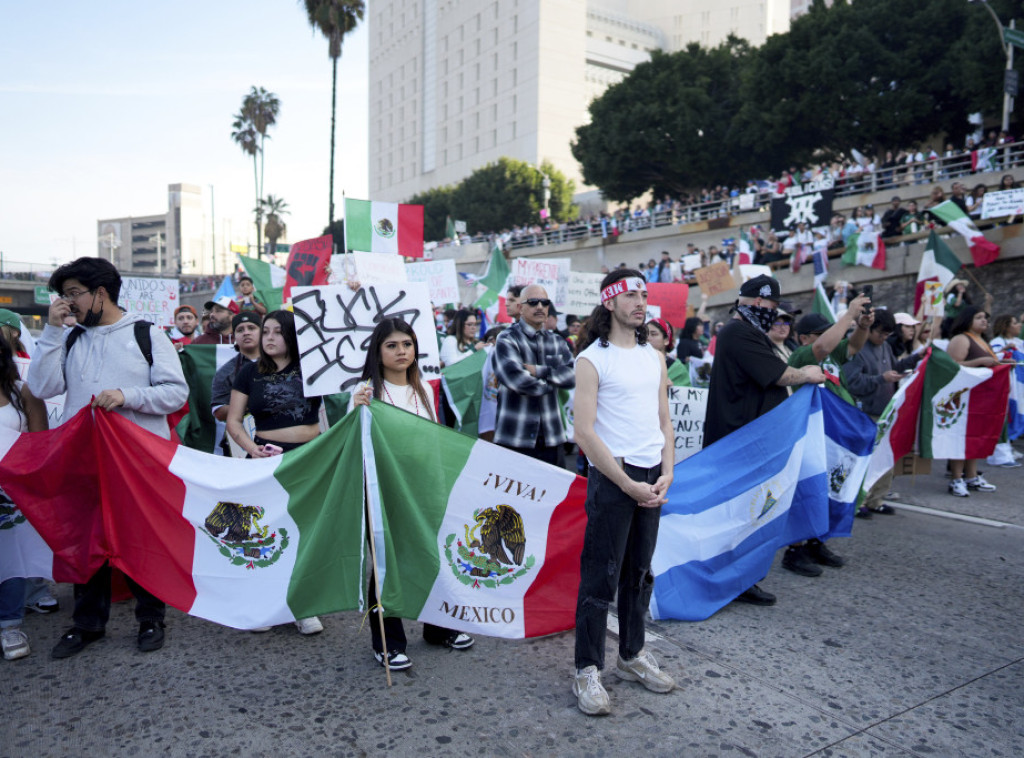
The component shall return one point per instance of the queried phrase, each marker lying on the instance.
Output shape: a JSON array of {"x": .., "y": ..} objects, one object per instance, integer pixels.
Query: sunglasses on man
[{"x": 533, "y": 302}]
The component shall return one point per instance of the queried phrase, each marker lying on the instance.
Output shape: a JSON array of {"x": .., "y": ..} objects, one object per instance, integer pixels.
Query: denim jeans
[
  {"x": 92, "y": 602},
  {"x": 12, "y": 602},
  {"x": 617, "y": 548},
  {"x": 36, "y": 588}
]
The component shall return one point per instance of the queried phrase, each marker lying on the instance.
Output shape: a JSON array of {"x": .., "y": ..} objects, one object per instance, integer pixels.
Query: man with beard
[
  {"x": 218, "y": 330},
  {"x": 187, "y": 321},
  {"x": 118, "y": 363},
  {"x": 622, "y": 423},
  {"x": 748, "y": 378},
  {"x": 247, "y": 331}
]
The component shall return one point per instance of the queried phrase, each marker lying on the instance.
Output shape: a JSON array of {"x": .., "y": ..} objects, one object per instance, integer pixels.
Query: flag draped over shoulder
[
  {"x": 373, "y": 226},
  {"x": 719, "y": 534},
  {"x": 865, "y": 249},
  {"x": 963, "y": 410},
  {"x": 938, "y": 264},
  {"x": 983, "y": 252},
  {"x": 244, "y": 543},
  {"x": 470, "y": 535},
  {"x": 849, "y": 440}
]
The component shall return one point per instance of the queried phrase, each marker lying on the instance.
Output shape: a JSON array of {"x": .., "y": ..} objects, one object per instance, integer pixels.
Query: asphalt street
[{"x": 914, "y": 648}]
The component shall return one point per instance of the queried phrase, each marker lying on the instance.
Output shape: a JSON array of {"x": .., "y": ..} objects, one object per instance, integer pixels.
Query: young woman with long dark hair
[{"x": 392, "y": 375}]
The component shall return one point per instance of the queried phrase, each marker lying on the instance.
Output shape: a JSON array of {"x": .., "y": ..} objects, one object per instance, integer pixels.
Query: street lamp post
[
  {"x": 546, "y": 184},
  {"x": 1008, "y": 51}
]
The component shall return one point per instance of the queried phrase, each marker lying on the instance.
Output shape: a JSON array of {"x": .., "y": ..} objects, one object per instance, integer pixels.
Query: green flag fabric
[{"x": 465, "y": 388}]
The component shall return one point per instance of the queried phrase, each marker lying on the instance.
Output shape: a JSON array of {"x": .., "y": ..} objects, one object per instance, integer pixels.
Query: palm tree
[
  {"x": 275, "y": 207},
  {"x": 259, "y": 112},
  {"x": 335, "y": 19}
]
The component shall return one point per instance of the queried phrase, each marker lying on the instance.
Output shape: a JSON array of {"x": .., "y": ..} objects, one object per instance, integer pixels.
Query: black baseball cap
[
  {"x": 762, "y": 286},
  {"x": 245, "y": 317},
  {"x": 812, "y": 323}
]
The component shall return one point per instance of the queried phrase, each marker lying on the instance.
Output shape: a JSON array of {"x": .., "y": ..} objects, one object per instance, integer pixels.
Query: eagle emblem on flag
[
  {"x": 236, "y": 530},
  {"x": 482, "y": 558}
]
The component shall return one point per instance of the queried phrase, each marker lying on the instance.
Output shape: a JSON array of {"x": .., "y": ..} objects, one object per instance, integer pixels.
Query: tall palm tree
[
  {"x": 335, "y": 19},
  {"x": 258, "y": 113},
  {"x": 275, "y": 207}
]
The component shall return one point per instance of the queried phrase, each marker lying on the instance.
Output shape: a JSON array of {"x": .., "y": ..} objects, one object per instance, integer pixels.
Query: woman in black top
[
  {"x": 271, "y": 390},
  {"x": 689, "y": 340}
]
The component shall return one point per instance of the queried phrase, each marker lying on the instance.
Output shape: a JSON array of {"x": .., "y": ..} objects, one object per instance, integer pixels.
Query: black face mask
[
  {"x": 91, "y": 317},
  {"x": 758, "y": 316}
]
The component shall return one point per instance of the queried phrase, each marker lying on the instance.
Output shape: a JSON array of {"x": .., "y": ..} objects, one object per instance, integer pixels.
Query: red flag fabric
[{"x": 307, "y": 264}]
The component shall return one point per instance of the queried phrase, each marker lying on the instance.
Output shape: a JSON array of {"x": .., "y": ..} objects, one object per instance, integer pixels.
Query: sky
[{"x": 102, "y": 105}]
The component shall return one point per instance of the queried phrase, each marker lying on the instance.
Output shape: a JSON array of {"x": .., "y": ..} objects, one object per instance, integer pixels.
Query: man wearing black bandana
[{"x": 748, "y": 378}]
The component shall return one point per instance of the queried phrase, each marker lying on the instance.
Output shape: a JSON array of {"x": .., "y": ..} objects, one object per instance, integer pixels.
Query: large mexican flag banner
[
  {"x": 964, "y": 409},
  {"x": 469, "y": 535}
]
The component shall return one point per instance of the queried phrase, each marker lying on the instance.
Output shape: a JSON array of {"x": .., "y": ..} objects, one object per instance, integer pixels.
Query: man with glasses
[
  {"x": 532, "y": 364},
  {"x": 107, "y": 369}
]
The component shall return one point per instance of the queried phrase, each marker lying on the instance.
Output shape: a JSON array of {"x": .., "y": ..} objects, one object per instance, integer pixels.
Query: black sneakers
[
  {"x": 800, "y": 562},
  {"x": 818, "y": 553},
  {"x": 756, "y": 596},
  {"x": 74, "y": 641},
  {"x": 151, "y": 636}
]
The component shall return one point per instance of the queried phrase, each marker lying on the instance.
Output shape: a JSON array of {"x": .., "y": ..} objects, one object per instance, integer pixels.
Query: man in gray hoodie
[{"x": 108, "y": 368}]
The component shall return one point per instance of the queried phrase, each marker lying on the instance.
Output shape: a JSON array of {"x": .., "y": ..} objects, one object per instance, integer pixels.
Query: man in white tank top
[{"x": 623, "y": 427}]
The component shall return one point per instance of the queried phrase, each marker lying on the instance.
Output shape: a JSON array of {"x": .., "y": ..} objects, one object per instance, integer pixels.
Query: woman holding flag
[{"x": 391, "y": 374}]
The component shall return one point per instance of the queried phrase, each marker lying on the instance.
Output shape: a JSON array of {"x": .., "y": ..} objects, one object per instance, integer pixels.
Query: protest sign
[
  {"x": 700, "y": 372},
  {"x": 343, "y": 269},
  {"x": 379, "y": 268},
  {"x": 440, "y": 277},
  {"x": 932, "y": 300},
  {"x": 810, "y": 203},
  {"x": 550, "y": 273},
  {"x": 54, "y": 405},
  {"x": 153, "y": 299},
  {"x": 687, "y": 407},
  {"x": 747, "y": 271},
  {"x": 653, "y": 311},
  {"x": 671, "y": 298},
  {"x": 333, "y": 324},
  {"x": 1003, "y": 203},
  {"x": 584, "y": 292},
  {"x": 691, "y": 262},
  {"x": 715, "y": 278},
  {"x": 307, "y": 264}
]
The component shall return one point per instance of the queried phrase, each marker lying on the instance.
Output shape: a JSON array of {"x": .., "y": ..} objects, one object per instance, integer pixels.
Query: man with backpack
[{"x": 116, "y": 362}]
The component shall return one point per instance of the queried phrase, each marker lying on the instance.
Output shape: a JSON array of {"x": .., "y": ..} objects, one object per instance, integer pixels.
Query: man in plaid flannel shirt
[{"x": 532, "y": 364}]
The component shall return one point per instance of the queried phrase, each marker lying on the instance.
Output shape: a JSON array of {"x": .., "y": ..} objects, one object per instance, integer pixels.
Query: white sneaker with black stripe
[
  {"x": 397, "y": 661},
  {"x": 978, "y": 483},
  {"x": 958, "y": 487}
]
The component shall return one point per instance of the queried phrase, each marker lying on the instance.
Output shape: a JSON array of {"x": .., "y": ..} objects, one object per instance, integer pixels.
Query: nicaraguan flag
[
  {"x": 734, "y": 504},
  {"x": 1015, "y": 417},
  {"x": 849, "y": 439}
]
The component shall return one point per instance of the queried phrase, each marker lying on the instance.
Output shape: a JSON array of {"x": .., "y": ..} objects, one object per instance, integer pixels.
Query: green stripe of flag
[
  {"x": 466, "y": 385},
  {"x": 358, "y": 225}
]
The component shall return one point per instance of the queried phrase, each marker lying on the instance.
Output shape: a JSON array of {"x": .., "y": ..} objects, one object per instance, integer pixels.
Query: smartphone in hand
[{"x": 270, "y": 449}]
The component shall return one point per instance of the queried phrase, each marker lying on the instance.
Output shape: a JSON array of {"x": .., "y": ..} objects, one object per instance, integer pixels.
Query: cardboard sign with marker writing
[{"x": 715, "y": 278}]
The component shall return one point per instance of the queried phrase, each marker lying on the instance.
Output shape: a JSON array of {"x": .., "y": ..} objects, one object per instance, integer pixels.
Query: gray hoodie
[{"x": 107, "y": 358}]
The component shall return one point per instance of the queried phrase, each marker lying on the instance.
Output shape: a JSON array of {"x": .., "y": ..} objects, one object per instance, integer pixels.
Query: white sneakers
[
  {"x": 591, "y": 696},
  {"x": 311, "y": 625},
  {"x": 14, "y": 643},
  {"x": 644, "y": 669},
  {"x": 958, "y": 487}
]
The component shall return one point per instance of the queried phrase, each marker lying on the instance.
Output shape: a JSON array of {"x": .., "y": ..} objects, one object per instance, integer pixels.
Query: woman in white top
[
  {"x": 464, "y": 338},
  {"x": 392, "y": 375},
  {"x": 20, "y": 411},
  {"x": 1006, "y": 329}
]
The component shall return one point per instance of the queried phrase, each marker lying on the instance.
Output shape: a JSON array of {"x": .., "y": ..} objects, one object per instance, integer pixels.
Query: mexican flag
[
  {"x": 679, "y": 374},
  {"x": 495, "y": 279},
  {"x": 964, "y": 409},
  {"x": 243, "y": 543},
  {"x": 373, "y": 226},
  {"x": 938, "y": 264},
  {"x": 745, "y": 249},
  {"x": 465, "y": 388},
  {"x": 469, "y": 535},
  {"x": 23, "y": 552},
  {"x": 897, "y": 426},
  {"x": 822, "y": 304},
  {"x": 983, "y": 252},
  {"x": 267, "y": 279},
  {"x": 199, "y": 363},
  {"x": 865, "y": 249}
]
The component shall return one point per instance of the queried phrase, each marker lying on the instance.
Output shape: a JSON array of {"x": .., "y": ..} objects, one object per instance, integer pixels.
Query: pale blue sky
[{"x": 102, "y": 105}]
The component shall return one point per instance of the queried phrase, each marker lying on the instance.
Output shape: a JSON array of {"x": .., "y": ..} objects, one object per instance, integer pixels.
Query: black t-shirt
[
  {"x": 689, "y": 348},
  {"x": 276, "y": 400},
  {"x": 743, "y": 378}
]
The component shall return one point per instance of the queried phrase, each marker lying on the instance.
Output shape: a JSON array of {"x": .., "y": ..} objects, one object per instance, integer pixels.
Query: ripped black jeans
[{"x": 617, "y": 549}]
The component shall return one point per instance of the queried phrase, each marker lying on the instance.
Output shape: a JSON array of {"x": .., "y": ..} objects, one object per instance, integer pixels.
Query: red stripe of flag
[
  {"x": 986, "y": 413},
  {"x": 410, "y": 230}
]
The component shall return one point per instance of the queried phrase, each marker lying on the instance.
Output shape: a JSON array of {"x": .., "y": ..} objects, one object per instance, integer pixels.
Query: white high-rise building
[{"x": 458, "y": 84}]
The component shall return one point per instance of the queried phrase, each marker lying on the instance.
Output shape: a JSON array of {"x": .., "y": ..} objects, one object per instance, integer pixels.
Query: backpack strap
[{"x": 142, "y": 336}]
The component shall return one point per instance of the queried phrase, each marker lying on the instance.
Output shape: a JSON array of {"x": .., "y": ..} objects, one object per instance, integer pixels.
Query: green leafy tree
[
  {"x": 509, "y": 192},
  {"x": 249, "y": 130},
  {"x": 437, "y": 207},
  {"x": 334, "y": 19}
]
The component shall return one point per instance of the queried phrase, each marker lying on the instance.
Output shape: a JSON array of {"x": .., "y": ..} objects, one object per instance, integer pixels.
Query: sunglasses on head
[{"x": 533, "y": 302}]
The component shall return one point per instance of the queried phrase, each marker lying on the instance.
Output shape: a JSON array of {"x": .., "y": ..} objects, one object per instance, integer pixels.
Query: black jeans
[
  {"x": 394, "y": 631},
  {"x": 92, "y": 602},
  {"x": 617, "y": 548}
]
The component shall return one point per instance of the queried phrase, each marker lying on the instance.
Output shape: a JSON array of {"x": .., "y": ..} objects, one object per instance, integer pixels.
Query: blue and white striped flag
[
  {"x": 1015, "y": 416},
  {"x": 734, "y": 504},
  {"x": 820, "y": 262},
  {"x": 849, "y": 440}
]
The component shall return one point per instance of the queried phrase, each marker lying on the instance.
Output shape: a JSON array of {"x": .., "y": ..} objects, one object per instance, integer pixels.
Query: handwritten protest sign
[
  {"x": 307, "y": 263},
  {"x": 932, "y": 300},
  {"x": 550, "y": 273},
  {"x": 700, "y": 371},
  {"x": 153, "y": 299},
  {"x": 440, "y": 277},
  {"x": 1003, "y": 203},
  {"x": 747, "y": 271},
  {"x": 334, "y": 323},
  {"x": 715, "y": 278},
  {"x": 687, "y": 407},
  {"x": 379, "y": 268},
  {"x": 671, "y": 298},
  {"x": 653, "y": 311},
  {"x": 691, "y": 262},
  {"x": 584, "y": 292}
]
